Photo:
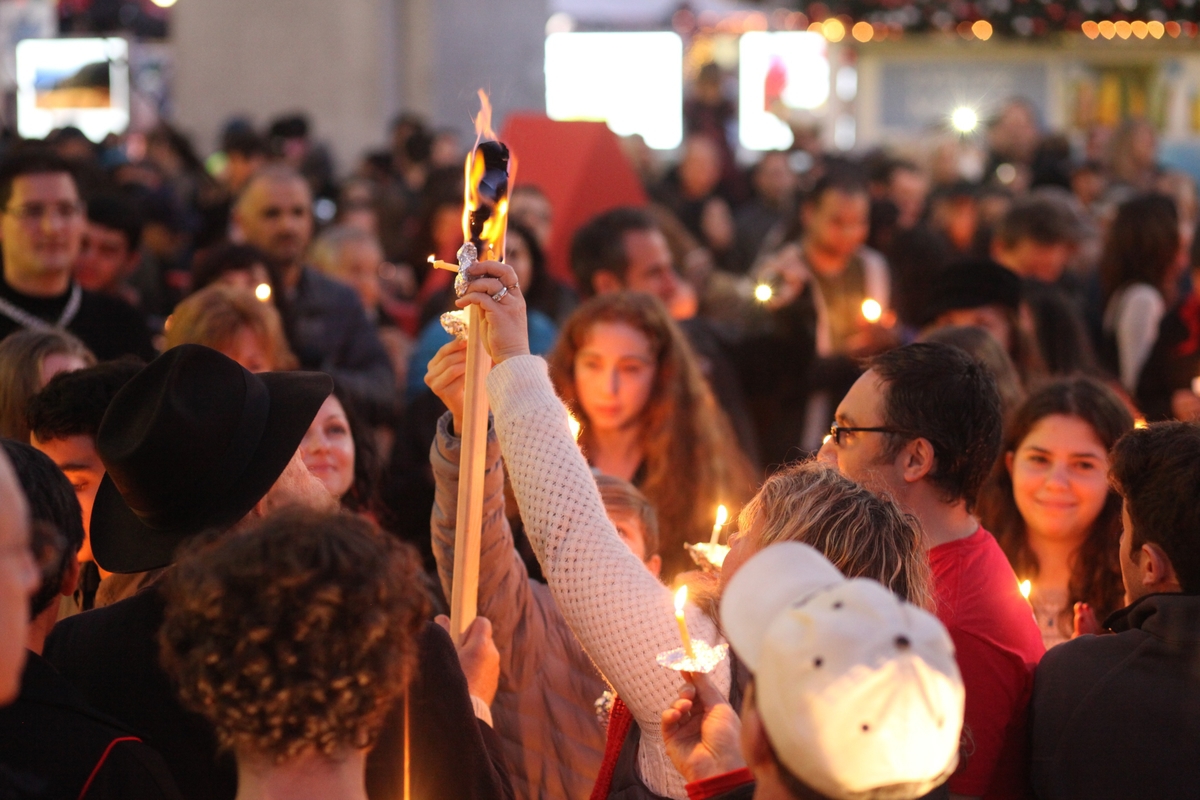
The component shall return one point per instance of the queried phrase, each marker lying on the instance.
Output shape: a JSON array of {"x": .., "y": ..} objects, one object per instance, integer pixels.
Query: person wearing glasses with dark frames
[
  {"x": 42, "y": 223},
  {"x": 923, "y": 425}
]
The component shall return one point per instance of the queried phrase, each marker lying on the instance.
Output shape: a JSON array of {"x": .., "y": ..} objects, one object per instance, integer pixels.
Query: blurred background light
[
  {"x": 964, "y": 119},
  {"x": 779, "y": 75},
  {"x": 631, "y": 81}
]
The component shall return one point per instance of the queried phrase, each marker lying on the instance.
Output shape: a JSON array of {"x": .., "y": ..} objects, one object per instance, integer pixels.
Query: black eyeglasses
[{"x": 836, "y": 431}]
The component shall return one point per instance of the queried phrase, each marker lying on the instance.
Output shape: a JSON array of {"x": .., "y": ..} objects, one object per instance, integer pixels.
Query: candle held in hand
[
  {"x": 722, "y": 518},
  {"x": 681, "y": 601}
]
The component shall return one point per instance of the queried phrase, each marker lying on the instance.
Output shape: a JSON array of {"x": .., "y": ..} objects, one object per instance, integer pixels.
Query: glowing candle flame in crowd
[
  {"x": 263, "y": 292},
  {"x": 680, "y": 601},
  {"x": 1139, "y": 422},
  {"x": 763, "y": 292},
  {"x": 576, "y": 427},
  {"x": 871, "y": 310},
  {"x": 722, "y": 518},
  {"x": 964, "y": 119},
  {"x": 1026, "y": 587}
]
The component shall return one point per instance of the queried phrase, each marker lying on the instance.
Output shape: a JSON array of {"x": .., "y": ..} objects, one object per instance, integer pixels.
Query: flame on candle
[
  {"x": 1026, "y": 586},
  {"x": 680, "y": 601},
  {"x": 1139, "y": 422},
  {"x": 763, "y": 292},
  {"x": 576, "y": 427},
  {"x": 871, "y": 310},
  {"x": 263, "y": 292}
]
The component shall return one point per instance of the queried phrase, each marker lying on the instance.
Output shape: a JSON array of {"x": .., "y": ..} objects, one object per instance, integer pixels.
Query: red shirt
[{"x": 997, "y": 645}]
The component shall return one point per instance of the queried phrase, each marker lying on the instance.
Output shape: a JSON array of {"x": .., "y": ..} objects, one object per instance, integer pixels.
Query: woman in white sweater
[{"x": 621, "y": 614}]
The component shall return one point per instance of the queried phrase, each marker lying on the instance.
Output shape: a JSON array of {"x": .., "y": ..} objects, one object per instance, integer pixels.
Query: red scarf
[{"x": 618, "y": 728}]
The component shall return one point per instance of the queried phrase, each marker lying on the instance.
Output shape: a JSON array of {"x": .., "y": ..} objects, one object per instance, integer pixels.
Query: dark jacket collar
[{"x": 1172, "y": 617}]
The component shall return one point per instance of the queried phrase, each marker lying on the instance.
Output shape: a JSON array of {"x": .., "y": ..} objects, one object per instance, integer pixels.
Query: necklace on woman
[{"x": 27, "y": 320}]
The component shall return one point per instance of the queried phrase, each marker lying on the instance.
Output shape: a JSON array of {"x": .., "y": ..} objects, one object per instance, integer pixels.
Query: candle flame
[
  {"x": 576, "y": 427},
  {"x": 1140, "y": 422},
  {"x": 680, "y": 600},
  {"x": 872, "y": 311},
  {"x": 1026, "y": 587},
  {"x": 722, "y": 515},
  {"x": 263, "y": 292},
  {"x": 763, "y": 292}
]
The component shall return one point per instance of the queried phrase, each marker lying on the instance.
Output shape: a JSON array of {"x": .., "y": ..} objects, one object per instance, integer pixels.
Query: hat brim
[{"x": 122, "y": 543}]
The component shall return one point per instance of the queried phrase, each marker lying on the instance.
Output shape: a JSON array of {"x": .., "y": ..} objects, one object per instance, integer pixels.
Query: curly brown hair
[
  {"x": 295, "y": 636},
  {"x": 692, "y": 459}
]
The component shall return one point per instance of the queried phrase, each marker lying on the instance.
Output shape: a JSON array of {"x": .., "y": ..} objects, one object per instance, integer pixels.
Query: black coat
[
  {"x": 60, "y": 746},
  {"x": 111, "y": 655},
  {"x": 1118, "y": 716}
]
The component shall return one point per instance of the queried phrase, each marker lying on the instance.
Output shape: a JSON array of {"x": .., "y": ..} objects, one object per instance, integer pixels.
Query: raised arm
[{"x": 622, "y": 615}]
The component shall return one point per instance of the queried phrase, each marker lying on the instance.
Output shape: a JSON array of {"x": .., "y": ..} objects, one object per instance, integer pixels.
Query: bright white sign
[
  {"x": 79, "y": 82},
  {"x": 778, "y": 73},
  {"x": 632, "y": 81}
]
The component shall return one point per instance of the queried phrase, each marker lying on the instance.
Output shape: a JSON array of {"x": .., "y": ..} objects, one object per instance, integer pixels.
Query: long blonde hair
[
  {"x": 863, "y": 534},
  {"x": 691, "y": 457}
]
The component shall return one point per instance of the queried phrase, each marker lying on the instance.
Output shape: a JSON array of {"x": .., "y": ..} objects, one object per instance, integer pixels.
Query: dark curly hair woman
[{"x": 294, "y": 639}]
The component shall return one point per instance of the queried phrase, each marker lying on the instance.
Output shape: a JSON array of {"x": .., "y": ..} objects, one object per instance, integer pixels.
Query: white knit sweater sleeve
[{"x": 621, "y": 614}]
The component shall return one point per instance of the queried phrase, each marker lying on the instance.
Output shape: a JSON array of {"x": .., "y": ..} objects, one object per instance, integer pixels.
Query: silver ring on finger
[{"x": 498, "y": 296}]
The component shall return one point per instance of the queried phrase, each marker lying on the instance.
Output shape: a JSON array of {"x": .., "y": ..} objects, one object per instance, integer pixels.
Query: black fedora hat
[{"x": 193, "y": 442}]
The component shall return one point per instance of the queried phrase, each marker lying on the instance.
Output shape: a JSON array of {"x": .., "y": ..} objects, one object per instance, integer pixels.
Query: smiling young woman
[{"x": 1049, "y": 503}]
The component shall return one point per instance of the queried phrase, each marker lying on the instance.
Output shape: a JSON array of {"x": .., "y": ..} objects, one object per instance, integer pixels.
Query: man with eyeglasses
[
  {"x": 923, "y": 425},
  {"x": 42, "y": 222}
]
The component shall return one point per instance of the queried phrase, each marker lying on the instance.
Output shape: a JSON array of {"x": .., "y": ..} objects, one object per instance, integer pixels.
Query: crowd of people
[{"x": 955, "y": 417}]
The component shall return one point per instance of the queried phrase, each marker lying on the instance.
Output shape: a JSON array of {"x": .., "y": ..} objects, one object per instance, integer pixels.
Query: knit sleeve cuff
[
  {"x": 519, "y": 386},
  {"x": 718, "y": 785}
]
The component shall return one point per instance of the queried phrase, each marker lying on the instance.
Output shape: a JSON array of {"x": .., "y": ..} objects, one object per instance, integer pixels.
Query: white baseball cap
[{"x": 857, "y": 690}]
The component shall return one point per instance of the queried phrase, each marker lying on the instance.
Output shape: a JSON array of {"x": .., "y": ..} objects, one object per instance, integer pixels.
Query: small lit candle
[
  {"x": 763, "y": 292},
  {"x": 680, "y": 601},
  {"x": 722, "y": 518},
  {"x": 1026, "y": 587},
  {"x": 263, "y": 292},
  {"x": 576, "y": 428},
  {"x": 871, "y": 310},
  {"x": 1139, "y": 422}
]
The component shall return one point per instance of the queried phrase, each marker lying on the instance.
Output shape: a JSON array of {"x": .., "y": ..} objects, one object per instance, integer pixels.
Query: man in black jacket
[
  {"x": 50, "y": 737},
  {"x": 1119, "y": 715},
  {"x": 192, "y": 443}
]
